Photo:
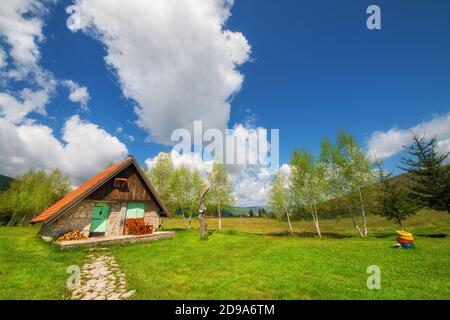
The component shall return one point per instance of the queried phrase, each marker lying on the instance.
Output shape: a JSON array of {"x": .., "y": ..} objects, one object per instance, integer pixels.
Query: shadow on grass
[
  {"x": 433, "y": 236},
  {"x": 305, "y": 234}
]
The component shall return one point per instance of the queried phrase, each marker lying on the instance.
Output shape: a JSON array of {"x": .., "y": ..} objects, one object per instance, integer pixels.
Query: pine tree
[
  {"x": 427, "y": 175},
  {"x": 395, "y": 201},
  {"x": 447, "y": 189}
]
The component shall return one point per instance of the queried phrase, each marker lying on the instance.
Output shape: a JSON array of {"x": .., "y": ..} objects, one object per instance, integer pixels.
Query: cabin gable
[{"x": 126, "y": 185}]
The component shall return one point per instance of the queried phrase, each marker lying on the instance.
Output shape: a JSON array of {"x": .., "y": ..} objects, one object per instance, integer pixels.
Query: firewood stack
[{"x": 72, "y": 235}]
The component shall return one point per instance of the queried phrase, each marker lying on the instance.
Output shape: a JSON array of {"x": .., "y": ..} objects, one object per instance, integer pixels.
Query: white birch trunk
[
  {"x": 289, "y": 221},
  {"x": 363, "y": 212}
]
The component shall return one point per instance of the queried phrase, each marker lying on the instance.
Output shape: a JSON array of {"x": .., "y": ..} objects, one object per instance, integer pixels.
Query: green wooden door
[
  {"x": 135, "y": 210},
  {"x": 100, "y": 218}
]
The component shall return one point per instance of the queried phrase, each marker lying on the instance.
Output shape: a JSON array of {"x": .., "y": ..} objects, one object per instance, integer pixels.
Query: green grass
[
  {"x": 31, "y": 268},
  {"x": 249, "y": 259}
]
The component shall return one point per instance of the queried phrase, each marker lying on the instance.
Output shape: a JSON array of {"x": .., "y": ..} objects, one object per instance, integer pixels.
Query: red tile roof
[{"x": 86, "y": 188}]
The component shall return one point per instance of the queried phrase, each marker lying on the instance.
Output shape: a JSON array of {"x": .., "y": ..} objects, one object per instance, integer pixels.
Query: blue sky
[{"x": 307, "y": 68}]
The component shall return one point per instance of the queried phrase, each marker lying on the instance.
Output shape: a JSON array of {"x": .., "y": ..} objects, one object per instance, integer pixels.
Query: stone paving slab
[
  {"x": 114, "y": 240},
  {"x": 101, "y": 279}
]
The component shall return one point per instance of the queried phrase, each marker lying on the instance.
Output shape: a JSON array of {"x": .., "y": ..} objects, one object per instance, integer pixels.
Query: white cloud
[
  {"x": 21, "y": 26},
  {"x": 251, "y": 186},
  {"x": 15, "y": 109},
  {"x": 286, "y": 169},
  {"x": 2, "y": 58},
  {"x": 21, "y": 23},
  {"x": 85, "y": 150},
  {"x": 127, "y": 136},
  {"x": 25, "y": 144},
  {"x": 173, "y": 57},
  {"x": 78, "y": 93},
  {"x": 250, "y": 182},
  {"x": 383, "y": 145},
  {"x": 191, "y": 160}
]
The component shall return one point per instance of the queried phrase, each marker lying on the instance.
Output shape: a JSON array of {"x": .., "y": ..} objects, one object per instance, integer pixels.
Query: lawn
[
  {"x": 249, "y": 259},
  {"x": 31, "y": 268}
]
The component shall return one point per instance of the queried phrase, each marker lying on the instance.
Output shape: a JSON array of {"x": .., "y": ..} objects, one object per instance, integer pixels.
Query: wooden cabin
[{"x": 104, "y": 204}]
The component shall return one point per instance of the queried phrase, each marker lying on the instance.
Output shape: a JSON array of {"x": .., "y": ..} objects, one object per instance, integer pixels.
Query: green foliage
[
  {"x": 262, "y": 213},
  {"x": 5, "y": 182},
  {"x": 349, "y": 173},
  {"x": 427, "y": 175},
  {"x": 395, "y": 200},
  {"x": 447, "y": 189},
  {"x": 308, "y": 179},
  {"x": 30, "y": 194},
  {"x": 221, "y": 193},
  {"x": 198, "y": 185},
  {"x": 180, "y": 184},
  {"x": 309, "y": 183},
  {"x": 179, "y": 188},
  {"x": 280, "y": 196},
  {"x": 161, "y": 176}
]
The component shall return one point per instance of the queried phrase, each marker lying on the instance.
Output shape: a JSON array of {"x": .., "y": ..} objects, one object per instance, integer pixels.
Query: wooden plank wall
[{"x": 136, "y": 189}]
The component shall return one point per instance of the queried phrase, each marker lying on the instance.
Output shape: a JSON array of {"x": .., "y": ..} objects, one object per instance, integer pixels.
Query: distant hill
[
  {"x": 5, "y": 182},
  {"x": 238, "y": 211}
]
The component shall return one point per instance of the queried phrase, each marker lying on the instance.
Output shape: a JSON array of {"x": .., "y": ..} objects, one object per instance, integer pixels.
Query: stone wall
[
  {"x": 117, "y": 212},
  {"x": 151, "y": 214},
  {"x": 79, "y": 218}
]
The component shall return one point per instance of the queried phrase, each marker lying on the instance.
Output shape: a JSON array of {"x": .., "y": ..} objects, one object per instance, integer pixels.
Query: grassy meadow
[{"x": 251, "y": 258}]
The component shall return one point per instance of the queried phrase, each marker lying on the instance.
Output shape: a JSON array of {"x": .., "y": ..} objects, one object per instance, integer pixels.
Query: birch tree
[
  {"x": 180, "y": 187},
  {"x": 309, "y": 183},
  {"x": 198, "y": 185},
  {"x": 160, "y": 177},
  {"x": 349, "y": 173},
  {"x": 32, "y": 193},
  {"x": 280, "y": 197},
  {"x": 221, "y": 193}
]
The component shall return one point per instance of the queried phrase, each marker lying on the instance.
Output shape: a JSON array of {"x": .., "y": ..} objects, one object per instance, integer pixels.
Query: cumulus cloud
[
  {"x": 251, "y": 186},
  {"x": 21, "y": 23},
  {"x": 251, "y": 182},
  {"x": 25, "y": 144},
  {"x": 173, "y": 57},
  {"x": 78, "y": 94},
  {"x": 85, "y": 148},
  {"x": 385, "y": 144},
  {"x": 127, "y": 136},
  {"x": 192, "y": 160},
  {"x": 2, "y": 58}
]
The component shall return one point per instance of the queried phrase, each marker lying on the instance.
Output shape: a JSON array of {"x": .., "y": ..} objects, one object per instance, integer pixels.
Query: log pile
[{"x": 72, "y": 235}]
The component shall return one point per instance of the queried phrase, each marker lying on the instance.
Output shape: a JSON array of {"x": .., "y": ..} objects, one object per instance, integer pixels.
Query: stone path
[{"x": 101, "y": 279}]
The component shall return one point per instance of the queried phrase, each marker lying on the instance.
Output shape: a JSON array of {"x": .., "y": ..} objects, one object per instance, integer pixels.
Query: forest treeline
[{"x": 343, "y": 182}]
